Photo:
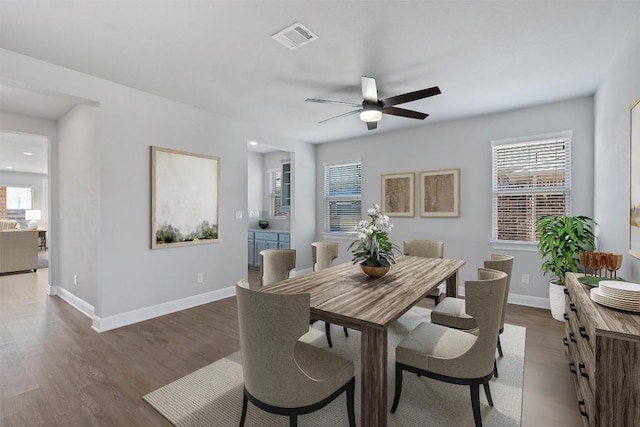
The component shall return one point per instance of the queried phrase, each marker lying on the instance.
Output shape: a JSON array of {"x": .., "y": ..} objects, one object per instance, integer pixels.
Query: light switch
[{"x": 238, "y": 214}]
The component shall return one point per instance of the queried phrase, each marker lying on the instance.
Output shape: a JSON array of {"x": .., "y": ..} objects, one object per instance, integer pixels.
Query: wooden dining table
[{"x": 344, "y": 295}]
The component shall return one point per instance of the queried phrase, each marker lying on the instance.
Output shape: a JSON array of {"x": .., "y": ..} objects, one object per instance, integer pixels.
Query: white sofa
[{"x": 18, "y": 250}]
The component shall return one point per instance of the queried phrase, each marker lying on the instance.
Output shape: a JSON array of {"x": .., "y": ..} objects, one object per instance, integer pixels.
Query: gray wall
[
  {"x": 614, "y": 98},
  {"x": 129, "y": 281},
  {"x": 465, "y": 144}
]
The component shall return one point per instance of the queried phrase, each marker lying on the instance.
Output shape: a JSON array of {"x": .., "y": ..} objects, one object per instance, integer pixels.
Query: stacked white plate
[{"x": 617, "y": 294}]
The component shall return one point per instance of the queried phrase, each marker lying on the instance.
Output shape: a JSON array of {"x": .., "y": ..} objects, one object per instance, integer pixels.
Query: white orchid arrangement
[{"x": 373, "y": 245}]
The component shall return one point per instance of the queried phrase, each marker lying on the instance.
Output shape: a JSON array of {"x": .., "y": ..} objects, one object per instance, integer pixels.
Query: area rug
[{"x": 212, "y": 396}]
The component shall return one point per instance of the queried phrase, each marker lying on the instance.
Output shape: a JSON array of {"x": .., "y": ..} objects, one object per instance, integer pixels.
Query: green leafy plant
[
  {"x": 561, "y": 239},
  {"x": 373, "y": 247}
]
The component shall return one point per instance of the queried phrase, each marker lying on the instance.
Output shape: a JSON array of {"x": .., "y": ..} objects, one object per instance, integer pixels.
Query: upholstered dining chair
[
  {"x": 426, "y": 249},
  {"x": 323, "y": 255},
  {"x": 283, "y": 375},
  {"x": 275, "y": 265},
  {"x": 456, "y": 356},
  {"x": 452, "y": 311}
]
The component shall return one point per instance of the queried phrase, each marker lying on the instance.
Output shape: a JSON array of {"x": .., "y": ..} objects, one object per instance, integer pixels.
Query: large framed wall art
[
  {"x": 185, "y": 198},
  {"x": 634, "y": 181},
  {"x": 440, "y": 193},
  {"x": 398, "y": 194}
]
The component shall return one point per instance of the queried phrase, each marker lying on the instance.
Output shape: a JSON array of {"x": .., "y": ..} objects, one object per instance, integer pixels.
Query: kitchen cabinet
[
  {"x": 265, "y": 240},
  {"x": 286, "y": 186}
]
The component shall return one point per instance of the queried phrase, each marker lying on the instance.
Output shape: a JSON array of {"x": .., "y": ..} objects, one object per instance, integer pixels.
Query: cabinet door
[
  {"x": 286, "y": 186},
  {"x": 261, "y": 245},
  {"x": 251, "y": 252}
]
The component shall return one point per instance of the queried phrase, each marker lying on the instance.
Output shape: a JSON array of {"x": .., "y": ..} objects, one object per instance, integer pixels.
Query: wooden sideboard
[{"x": 603, "y": 347}]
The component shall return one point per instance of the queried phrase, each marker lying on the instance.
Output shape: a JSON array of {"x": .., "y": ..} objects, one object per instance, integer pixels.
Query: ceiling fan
[{"x": 372, "y": 108}]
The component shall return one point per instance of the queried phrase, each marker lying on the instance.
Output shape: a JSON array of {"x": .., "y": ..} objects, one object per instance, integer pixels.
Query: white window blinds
[
  {"x": 530, "y": 179},
  {"x": 342, "y": 193}
]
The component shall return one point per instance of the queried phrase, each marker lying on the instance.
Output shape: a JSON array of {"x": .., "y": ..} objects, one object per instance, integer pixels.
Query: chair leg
[
  {"x": 475, "y": 403},
  {"x": 437, "y": 300},
  {"x": 327, "y": 329},
  {"x": 346, "y": 333},
  {"x": 293, "y": 421},
  {"x": 500, "y": 347},
  {"x": 487, "y": 392},
  {"x": 350, "y": 404},
  {"x": 396, "y": 397},
  {"x": 495, "y": 369},
  {"x": 244, "y": 409}
]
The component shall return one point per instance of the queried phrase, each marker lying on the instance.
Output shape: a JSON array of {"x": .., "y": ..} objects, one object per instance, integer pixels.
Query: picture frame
[
  {"x": 634, "y": 179},
  {"x": 185, "y": 198},
  {"x": 440, "y": 193},
  {"x": 398, "y": 194}
]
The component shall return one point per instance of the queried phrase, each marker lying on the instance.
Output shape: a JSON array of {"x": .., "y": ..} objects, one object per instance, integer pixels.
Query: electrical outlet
[
  {"x": 238, "y": 214},
  {"x": 200, "y": 278},
  {"x": 75, "y": 279},
  {"x": 525, "y": 278}
]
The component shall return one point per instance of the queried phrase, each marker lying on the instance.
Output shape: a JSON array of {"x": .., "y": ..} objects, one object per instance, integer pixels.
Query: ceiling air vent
[{"x": 294, "y": 36}]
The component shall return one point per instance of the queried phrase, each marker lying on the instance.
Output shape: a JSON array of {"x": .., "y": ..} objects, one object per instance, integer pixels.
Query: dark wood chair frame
[
  {"x": 327, "y": 329},
  {"x": 293, "y": 413},
  {"x": 473, "y": 383}
]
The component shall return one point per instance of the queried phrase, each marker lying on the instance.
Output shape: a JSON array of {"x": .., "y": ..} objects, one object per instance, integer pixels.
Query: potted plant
[
  {"x": 374, "y": 250},
  {"x": 560, "y": 241}
]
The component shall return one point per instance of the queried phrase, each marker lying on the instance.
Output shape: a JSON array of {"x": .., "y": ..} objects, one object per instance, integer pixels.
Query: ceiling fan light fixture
[{"x": 370, "y": 115}]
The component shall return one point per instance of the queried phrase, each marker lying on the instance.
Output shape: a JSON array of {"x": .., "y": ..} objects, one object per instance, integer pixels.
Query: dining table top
[{"x": 344, "y": 294}]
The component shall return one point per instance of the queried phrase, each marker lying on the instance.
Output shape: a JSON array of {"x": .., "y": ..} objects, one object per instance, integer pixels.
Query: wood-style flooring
[{"x": 56, "y": 371}]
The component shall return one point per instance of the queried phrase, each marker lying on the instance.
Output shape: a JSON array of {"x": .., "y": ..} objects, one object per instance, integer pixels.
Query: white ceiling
[{"x": 486, "y": 56}]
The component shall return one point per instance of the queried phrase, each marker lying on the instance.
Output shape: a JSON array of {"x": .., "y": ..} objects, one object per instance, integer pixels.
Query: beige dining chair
[
  {"x": 426, "y": 249},
  {"x": 323, "y": 254},
  {"x": 452, "y": 311},
  {"x": 276, "y": 264},
  {"x": 283, "y": 375},
  {"x": 456, "y": 356}
]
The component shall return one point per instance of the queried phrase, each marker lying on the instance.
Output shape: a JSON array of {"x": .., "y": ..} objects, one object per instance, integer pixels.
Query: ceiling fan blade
[
  {"x": 411, "y": 96},
  {"x": 369, "y": 89},
  {"x": 372, "y": 125},
  {"x": 341, "y": 115},
  {"x": 326, "y": 101},
  {"x": 395, "y": 111}
]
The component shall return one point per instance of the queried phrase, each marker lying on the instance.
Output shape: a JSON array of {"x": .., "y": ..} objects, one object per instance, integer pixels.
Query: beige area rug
[{"x": 212, "y": 396}]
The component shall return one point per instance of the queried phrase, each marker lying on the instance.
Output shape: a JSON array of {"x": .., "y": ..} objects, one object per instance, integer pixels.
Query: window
[
  {"x": 275, "y": 194},
  {"x": 14, "y": 201},
  {"x": 530, "y": 179},
  {"x": 342, "y": 206}
]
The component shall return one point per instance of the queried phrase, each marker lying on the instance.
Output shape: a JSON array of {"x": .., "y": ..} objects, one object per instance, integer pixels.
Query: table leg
[
  {"x": 452, "y": 285},
  {"x": 373, "y": 383}
]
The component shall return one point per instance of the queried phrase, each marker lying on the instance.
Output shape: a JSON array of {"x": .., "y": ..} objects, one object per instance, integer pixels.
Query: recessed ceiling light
[
  {"x": 253, "y": 143},
  {"x": 9, "y": 167},
  {"x": 26, "y": 153}
]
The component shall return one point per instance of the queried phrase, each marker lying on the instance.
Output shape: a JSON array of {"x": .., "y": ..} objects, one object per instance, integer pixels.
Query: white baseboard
[
  {"x": 529, "y": 301},
  {"x": 103, "y": 324},
  {"x": 525, "y": 300},
  {"x": 78, "y": 303}
]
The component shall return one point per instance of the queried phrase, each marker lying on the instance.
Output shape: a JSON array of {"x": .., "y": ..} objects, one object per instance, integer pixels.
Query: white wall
[
  {"x": 255, "y": 180},
  {"x": 614, "y": 98},
  {"x": 79, "y": 204},
  {"x": 465, "y": 144},
  {"x": 132, "y": 281}
]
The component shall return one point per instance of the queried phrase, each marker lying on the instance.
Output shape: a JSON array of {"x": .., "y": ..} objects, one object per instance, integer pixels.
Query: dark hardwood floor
[{"x": 56, "y": 371}]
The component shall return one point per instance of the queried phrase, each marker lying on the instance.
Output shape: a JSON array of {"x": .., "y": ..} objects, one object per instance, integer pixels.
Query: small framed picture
[
  {"x": 398, "y": 194},
  {"x": 440, "y": 193}
]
